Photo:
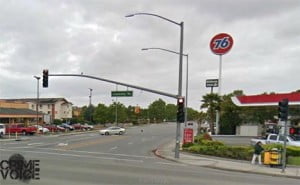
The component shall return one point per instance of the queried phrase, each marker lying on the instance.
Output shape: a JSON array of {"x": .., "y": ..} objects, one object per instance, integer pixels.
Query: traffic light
[
  {"x": 283, "y": 110},
  {"x": 45, "y": 78},
  {"x": 180, "y": 110}
]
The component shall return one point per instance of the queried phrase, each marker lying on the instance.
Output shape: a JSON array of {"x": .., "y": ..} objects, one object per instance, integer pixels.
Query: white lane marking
[
  {"x": 75, "y": 155},
  {"x": 130, "y": 143},
  {"x": 62, "y": 144},
  {"x": 173, "y": 164},
  {"x": 87, "y": 152},
  {"x": 34, "y": 144},
  {"x": 113, "y": 148}
]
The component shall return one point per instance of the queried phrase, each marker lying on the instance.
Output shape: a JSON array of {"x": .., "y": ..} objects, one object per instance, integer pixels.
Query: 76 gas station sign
[{"x": 221, "y": 43}]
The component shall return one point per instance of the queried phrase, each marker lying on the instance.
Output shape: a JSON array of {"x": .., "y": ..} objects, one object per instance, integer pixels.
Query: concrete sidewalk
[{"x": 166, "y": 151}]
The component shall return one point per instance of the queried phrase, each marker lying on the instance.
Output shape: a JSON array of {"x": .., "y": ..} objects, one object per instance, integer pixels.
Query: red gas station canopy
[{"x": 266, "y": 99}]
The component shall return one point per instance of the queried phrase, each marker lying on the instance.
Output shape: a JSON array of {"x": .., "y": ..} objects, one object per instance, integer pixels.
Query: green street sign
[{"x": 121, "y": 93}]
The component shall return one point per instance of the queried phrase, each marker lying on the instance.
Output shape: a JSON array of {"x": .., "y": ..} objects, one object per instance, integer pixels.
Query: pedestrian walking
[{"x": 258, "y": 149}]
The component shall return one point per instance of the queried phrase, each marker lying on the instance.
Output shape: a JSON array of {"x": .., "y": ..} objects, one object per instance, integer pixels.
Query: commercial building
[{"x": 51, "y": 108}]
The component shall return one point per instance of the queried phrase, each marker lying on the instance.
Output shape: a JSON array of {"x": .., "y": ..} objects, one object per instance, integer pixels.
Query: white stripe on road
[
  {"x": 173, "y": 164},
  {"x": 130, "y": 143},
  {"x": 75, "y": 155},
  {"x": 85, "y": 152},
  {"x": 113, "y": 148},
  {"x": 34, "y": 144}
]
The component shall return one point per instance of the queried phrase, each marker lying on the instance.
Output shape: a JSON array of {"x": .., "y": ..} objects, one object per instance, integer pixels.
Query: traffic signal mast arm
[{"x": 118, "y": 83}]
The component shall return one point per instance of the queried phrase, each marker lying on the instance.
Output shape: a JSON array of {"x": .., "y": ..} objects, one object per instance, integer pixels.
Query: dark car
[{"x": 67, "y": 126}]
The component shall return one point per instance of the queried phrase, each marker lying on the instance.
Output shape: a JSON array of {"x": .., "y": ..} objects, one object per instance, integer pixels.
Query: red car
[
  {"x": 21, "y": 129},
  {"x": 54, "y": 128},
  {"x": 78, "y": 126}
]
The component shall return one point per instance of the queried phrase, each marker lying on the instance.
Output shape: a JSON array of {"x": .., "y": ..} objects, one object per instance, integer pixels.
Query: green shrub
[
  {"x": 294, "y": 160},
  {"x": 202, "y": 137},
  {"x": 293, "y": 151},
  {"x": 186, "y": 145},
  {"x": 218, "y": 149}
]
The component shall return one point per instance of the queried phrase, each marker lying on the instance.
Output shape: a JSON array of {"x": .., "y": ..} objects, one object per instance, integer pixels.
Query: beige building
[
  {"x": 53, "y": 108},
  {"x": 18, "y": 112}
]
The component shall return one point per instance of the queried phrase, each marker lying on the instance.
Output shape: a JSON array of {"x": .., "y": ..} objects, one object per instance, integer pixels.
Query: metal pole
[
  {"x": 90, "y": 97},
  {"x": 284, "y": 148},
  {"x": 90, "y": 104},
  {"x": 37, "y": 99},
  {"x": 177, "y": 146},
  {"x": 116, "y": 107},
  {"x": 219, "y": 93},
  {"x": 186, "y": 90}
]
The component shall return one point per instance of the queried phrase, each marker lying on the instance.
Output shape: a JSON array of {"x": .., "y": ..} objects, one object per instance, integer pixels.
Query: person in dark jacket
[{"x": 258, "y": 149}]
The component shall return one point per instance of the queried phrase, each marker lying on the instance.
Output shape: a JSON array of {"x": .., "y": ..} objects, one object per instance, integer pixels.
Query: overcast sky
[{"x": 94, "y": 37}]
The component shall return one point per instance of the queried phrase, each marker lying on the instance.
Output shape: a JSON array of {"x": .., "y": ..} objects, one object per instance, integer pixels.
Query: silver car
[{"x": 112, "y": 131}]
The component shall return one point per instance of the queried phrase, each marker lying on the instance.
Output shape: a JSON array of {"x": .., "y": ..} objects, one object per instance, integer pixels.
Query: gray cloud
[{"x": 95, "y": 38}]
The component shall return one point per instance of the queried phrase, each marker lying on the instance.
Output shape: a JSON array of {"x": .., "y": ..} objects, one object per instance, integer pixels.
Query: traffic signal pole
[{"x": 283, "y": 116}]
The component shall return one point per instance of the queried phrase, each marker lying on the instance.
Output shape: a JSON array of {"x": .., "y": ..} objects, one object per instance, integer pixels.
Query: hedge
[{"x": 219, "y": 149}]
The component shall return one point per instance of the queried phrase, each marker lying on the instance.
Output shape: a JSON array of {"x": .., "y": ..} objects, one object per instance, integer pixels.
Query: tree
[
  {"x": 171, "y": 111},
  {"x": 100, "y": 113},
  {"x": 212, "y": 103},
  {"x": 192, "y": 114},
  {"x": 157, "y": 110},
  {"x": 230, "y": 115},
  {"x": 121, "y": 112}
]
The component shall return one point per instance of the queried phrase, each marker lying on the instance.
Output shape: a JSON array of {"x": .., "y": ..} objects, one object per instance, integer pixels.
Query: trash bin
[
  {"x": 266, "y": 157},
  {"x": 275, "y": 157},
  {"x": 272, "y": 157}
]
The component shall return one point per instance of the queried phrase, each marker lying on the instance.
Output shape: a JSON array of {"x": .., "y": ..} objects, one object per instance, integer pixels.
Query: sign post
[
  {"x": 220, "y": 44},
  {"x": 212, "y": 83}
]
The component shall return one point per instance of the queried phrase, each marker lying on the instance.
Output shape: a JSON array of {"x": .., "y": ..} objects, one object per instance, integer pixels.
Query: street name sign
[
  {"x": 212, "y": 83},
  {"x": 121, "y": 93}
]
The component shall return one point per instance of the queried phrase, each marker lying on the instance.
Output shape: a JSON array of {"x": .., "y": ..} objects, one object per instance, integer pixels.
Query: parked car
[
  {"x": 55, "y": 128},
  {"x": 112, "y": 131},
  {"x": 2, "y": 130},
  {"x": 67, "y": 126},
  {"x": 21, "y": 129},
  {"x": 88, "y": 127},
  {"x": 278, "y": 139},
  {"x": 41, "y": 128},
  {"x": 78, "y": 126}
]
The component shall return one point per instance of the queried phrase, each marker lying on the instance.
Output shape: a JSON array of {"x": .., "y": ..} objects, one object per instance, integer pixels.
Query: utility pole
[
  {"x": 90, "y": 104},
  {"x": 37, "y": 98}
]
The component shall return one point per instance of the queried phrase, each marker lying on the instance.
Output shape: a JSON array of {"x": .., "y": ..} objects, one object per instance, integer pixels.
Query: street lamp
[
  {"x": 187, "y": 75},
  {"x": 181, "y": 24},
  {"x": 37, "y": 98},
  {"x": 90, "y": 103}
]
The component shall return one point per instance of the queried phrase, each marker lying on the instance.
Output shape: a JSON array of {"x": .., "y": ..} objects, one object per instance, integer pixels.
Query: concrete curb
[{"x": 158, "y": 154}]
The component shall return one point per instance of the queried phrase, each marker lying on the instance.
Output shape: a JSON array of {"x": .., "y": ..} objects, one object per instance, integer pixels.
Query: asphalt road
[{"x": 93, "y": 159}]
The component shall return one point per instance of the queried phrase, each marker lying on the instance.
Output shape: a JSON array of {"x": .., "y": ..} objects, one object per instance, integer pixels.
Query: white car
[
  {"x": 88, "y": 127},
  {"x": 2, "y": 130},
  {"x": 41, "y": 129},
  {"x": 112, "y": 131}
]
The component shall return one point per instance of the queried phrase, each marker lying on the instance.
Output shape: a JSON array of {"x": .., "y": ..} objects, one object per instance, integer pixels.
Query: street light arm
[
  {"x": 167, "y": 50},
  {"x": 164, "y": 18}
]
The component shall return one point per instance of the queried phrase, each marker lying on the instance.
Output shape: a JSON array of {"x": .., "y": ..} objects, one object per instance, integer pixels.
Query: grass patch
[{"x": 294, "y": 160}]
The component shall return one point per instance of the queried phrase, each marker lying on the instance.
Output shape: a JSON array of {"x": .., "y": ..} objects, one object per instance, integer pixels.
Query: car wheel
[
  {"x": 24, "y": 133},
  {"x": 106, "y": 133},
  {"x": 121, "y": 133}
]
